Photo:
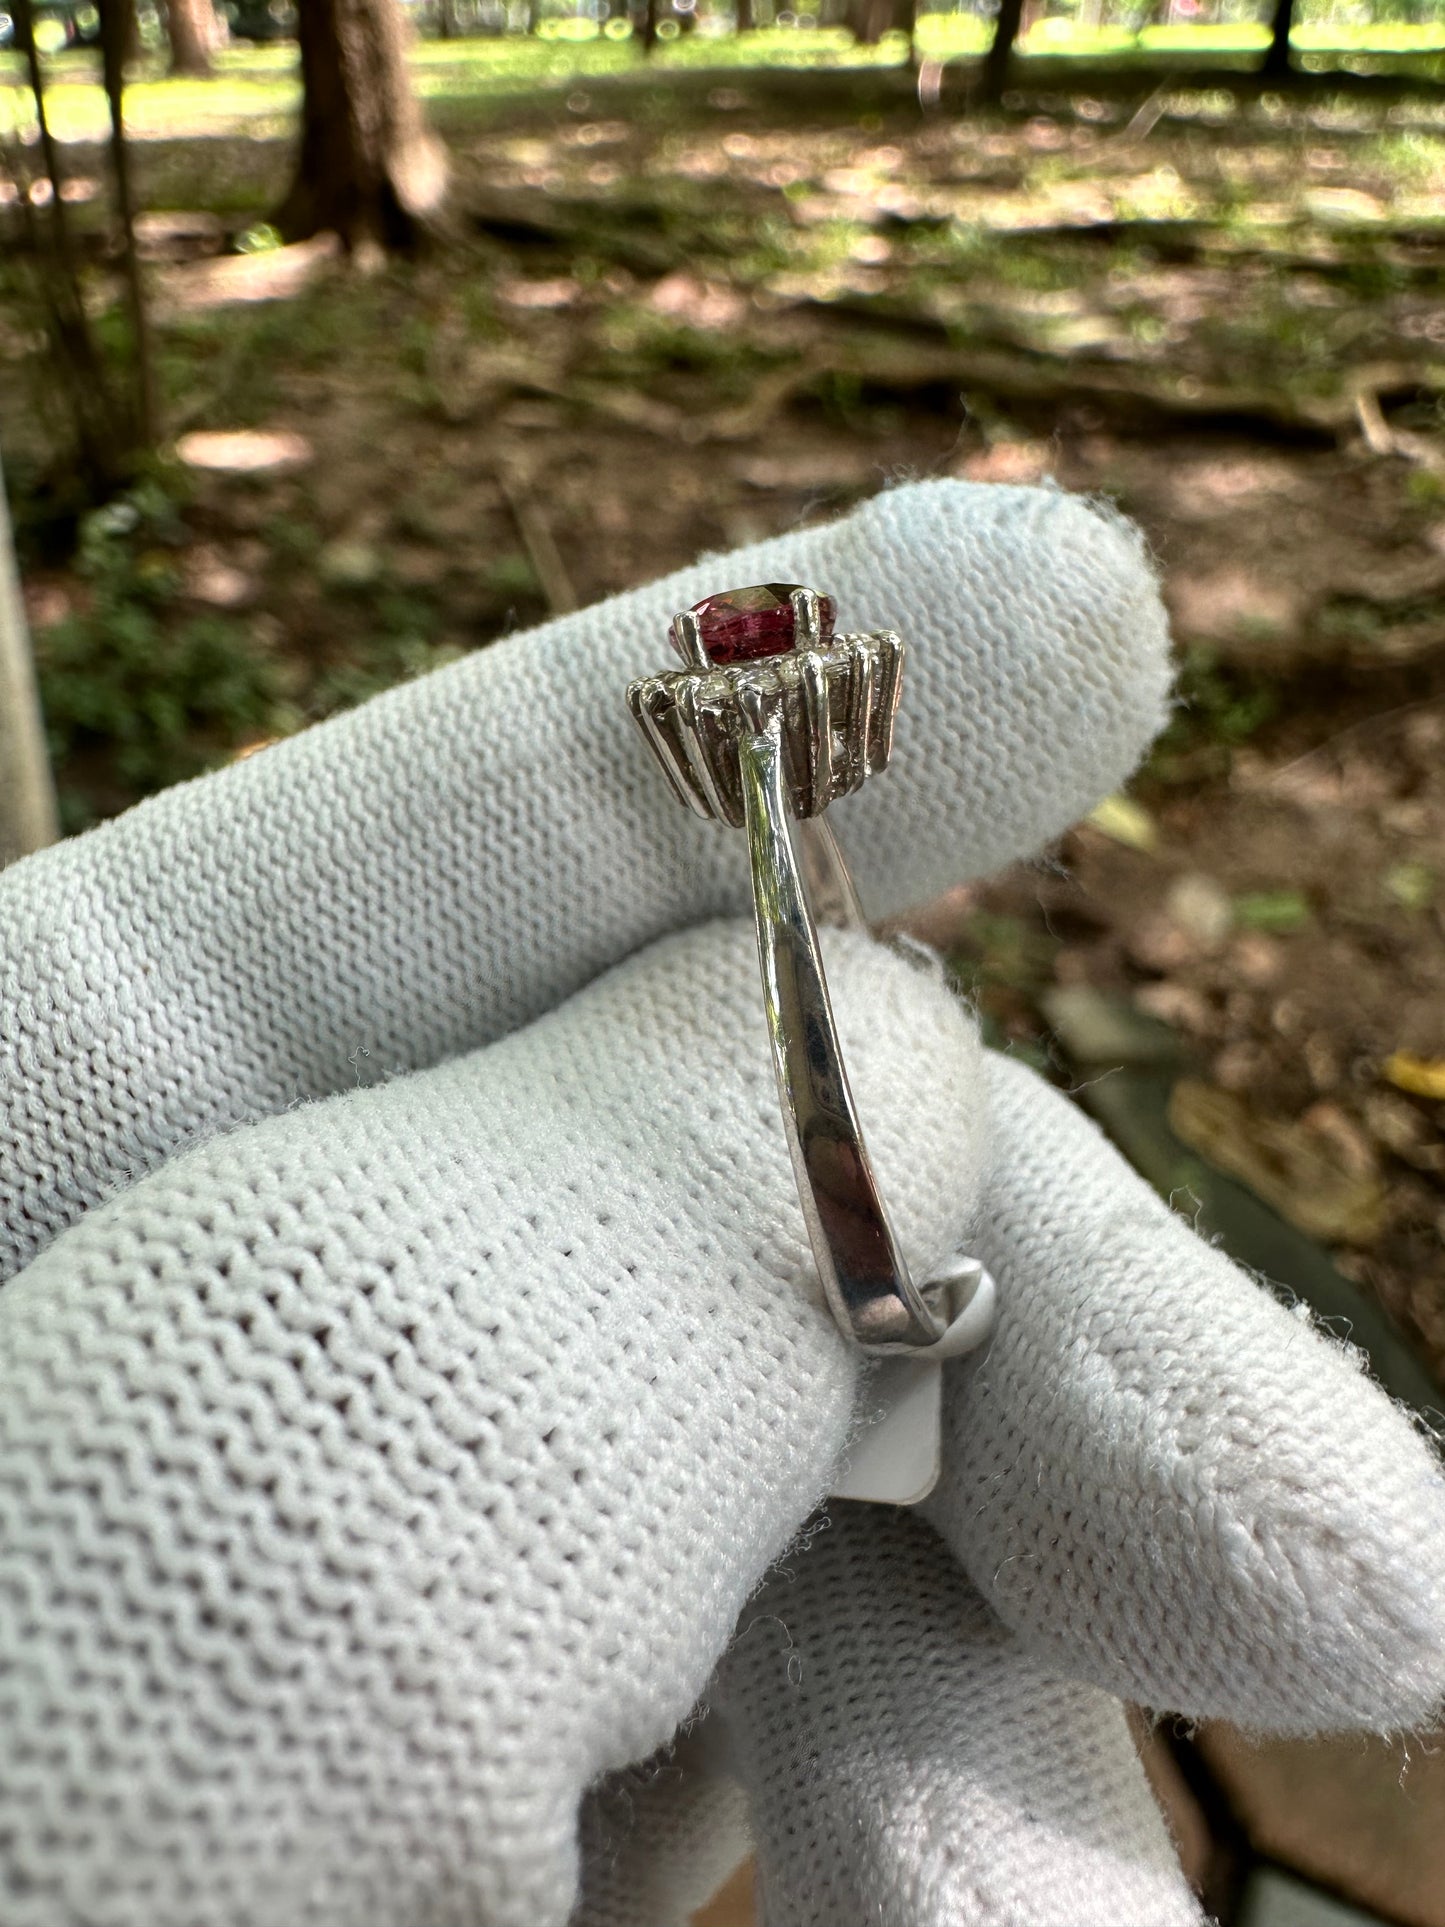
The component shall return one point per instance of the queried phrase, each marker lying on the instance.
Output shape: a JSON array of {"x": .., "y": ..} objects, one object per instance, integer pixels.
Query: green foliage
[
  {"x": 1411, "y": 884},
  {"x": 391, "y": 637},
  {"x": 1218, "y": 707},
  {"x": 1003, "y": 952},
  {"x": 512, "y": 575},
  {"x": 1425, "y": 488},
  {"x": 391, "y": 658},
  {"x": 137, "y": 692},
  {"x": 1276, "y": 911}
]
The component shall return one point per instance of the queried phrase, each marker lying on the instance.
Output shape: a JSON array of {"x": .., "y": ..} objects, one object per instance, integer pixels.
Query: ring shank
[{"x": 864, "y": 1274}]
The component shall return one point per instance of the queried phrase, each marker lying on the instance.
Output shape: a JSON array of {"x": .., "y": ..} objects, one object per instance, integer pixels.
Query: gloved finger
[
  {"x": 908, "y": 1765},
  {"x": 440, "y": 866},
  {"x": 374, "y": 1478},
  {"x": 1167, "y": 1482},
  {"x": 659, "y": 1840}
]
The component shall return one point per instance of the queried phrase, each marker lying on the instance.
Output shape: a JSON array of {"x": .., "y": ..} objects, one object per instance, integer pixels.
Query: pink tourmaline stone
[{"x": 742, "y": 625}]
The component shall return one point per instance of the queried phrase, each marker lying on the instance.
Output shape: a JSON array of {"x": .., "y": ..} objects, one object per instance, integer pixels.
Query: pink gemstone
[{"x": 742, "y": 625}]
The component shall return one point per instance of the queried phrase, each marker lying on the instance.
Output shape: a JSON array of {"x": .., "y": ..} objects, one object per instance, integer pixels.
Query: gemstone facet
[{"x": 744, "y": 625}]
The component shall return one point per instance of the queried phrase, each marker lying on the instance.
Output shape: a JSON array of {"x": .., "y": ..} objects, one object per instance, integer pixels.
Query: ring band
[{"x": 774, "y": 716}]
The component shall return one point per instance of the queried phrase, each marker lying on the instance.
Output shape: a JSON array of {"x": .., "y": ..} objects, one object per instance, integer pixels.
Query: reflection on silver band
[{"x": 863, "y": 1272}]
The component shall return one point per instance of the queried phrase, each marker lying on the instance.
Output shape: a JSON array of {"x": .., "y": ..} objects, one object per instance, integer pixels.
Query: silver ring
[{"x": 776, "y": 716}]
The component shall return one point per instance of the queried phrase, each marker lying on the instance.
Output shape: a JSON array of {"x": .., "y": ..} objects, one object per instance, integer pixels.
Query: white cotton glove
[{"x": 377, "y": 1473}]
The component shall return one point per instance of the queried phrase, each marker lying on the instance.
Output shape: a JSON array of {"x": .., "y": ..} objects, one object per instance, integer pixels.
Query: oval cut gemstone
[{"x": 742, "y": 625}]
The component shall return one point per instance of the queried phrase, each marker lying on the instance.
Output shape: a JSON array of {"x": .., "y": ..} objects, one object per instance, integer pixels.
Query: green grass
[
  {"x": 256, "y": 90},
  {"x": 143, "y": 691}
]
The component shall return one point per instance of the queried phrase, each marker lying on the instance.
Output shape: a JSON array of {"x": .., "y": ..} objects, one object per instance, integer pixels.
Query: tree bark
[
  {"x": 369, "y": 169},
  {"x": 194, "y": 35},
  {"x": 102, "y": 436},
  {"x": 871, "y": 19},
  {"x": 132, "y": 41},
  {"x": 1000, "y": 54},
  {"x": 744, "y": 22},
  {"x": 1275, "y": 65},
  {"x": 649, "y": 26},
  {"x": 27, "y": 790},
  {"x": 112, "y": 52}
]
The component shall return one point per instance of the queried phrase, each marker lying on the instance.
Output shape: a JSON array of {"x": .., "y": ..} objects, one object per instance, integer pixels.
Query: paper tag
[
  {"x": 897, "y": 1456},
  {"x": 898, "y": 1453}
]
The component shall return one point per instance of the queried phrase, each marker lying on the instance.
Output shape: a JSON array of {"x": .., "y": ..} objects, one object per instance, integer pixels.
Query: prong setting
[
  {"x": 687, "y": 640},
  {"x": 807, "y": 618},
  {"x": 829, "y": 704}
]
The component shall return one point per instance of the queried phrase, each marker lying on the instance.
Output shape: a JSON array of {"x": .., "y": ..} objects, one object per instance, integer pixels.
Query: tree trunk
[
  {"x": 27, "y": 791},
  {"x": 194, "y": 34},
  {"x": 369, "y": 168},
  {"x": 103, "y": 437},
  {"x": 744, "y": 16},
  {"x": 1275, "y": 65},
  {"x": 996, "y": 60},
  {"x": 649, "y": 26},
  {"x": 112, "y": 54},
  {"x": 132, "y": 40},
  {"x": 870, "y": 20}
]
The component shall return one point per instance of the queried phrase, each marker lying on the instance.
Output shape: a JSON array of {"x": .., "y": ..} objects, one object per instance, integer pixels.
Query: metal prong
[
  {"x": 645, "y": 699},
  {"x": 750, "y": 706},
  {"x": 694, "y": 730},
  {"x": 686, "y": 635},
  {"x": 807, "y": 619},
  {"x": 860, "y": 710},
  {"x": 816, "y": 697},
  {"x": 879, "y": 740}
]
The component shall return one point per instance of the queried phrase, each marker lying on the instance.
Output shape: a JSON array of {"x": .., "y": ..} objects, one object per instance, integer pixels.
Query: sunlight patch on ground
[{"x": 245, "y": 451}]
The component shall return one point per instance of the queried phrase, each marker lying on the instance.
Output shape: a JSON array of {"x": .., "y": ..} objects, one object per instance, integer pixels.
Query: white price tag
[{"x": 897, "y": 1455}]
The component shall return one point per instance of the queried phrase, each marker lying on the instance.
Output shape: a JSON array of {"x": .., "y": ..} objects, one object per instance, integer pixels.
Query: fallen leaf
[
  {"x": 1098, "y": 1029},
  {"x": 1124, "y": 821},
  {"x": 1421, "y": 1076},
  {"x": 1277, "y": 910},
  {"x": 1202, "y": 909},
  {"x": 1412, "y": 885},
  {"x": 1292, "y": 1165}
]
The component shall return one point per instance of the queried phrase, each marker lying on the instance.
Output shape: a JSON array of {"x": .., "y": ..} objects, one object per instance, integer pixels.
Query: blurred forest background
[{"x": 336, "y": 343}]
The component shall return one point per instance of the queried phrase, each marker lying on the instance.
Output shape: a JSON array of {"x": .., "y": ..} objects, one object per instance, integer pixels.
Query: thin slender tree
[
  {"x": 102, "y": 418},
  {"x": 1276, "y": 62},
  {"x": 112, "y": 53},
  {"x": 996, "y": 62}
]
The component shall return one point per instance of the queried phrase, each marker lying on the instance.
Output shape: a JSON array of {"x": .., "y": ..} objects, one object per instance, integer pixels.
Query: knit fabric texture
[
  {"x": 375, "y": 1477},
  {"x": 442, "y": 865},
  {"x": 1165, "y": 1480},
  {"x": 659, "y": 1839},
  {"x": 412, "y": 1359},
  {"x": 908, "y": 1765}
]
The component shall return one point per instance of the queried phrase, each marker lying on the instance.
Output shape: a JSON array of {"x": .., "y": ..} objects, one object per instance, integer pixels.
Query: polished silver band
[
  {"x": 863, "y": 1272},
  {"x": 760, "y": 745}
]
